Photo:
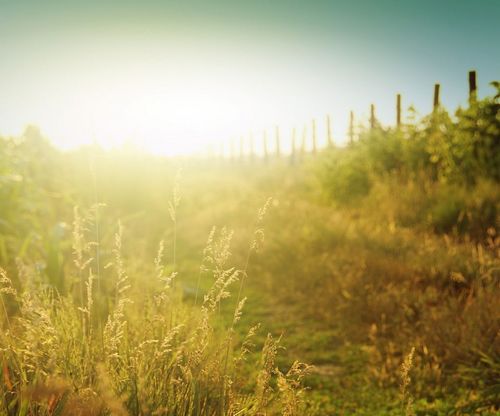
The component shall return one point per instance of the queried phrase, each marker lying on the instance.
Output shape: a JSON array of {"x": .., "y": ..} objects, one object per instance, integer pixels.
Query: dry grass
[{"x": 153, "y": 355}]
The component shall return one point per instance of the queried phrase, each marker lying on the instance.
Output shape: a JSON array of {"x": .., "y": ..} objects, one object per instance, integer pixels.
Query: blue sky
[{"x": 174, "y": 76}]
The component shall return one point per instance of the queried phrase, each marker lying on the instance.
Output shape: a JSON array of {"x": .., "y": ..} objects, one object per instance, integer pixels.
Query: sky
[{"x": 174, "y": 77}]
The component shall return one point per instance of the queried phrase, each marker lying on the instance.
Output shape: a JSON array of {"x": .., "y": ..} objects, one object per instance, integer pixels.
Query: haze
[{"x": 177, "y": 77}]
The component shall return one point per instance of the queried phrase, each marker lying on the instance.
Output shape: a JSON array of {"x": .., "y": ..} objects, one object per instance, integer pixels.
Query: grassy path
[
  {"x": 338, "y": 383},
  {"x": 322, "y": 281},
  {"x": 296, "y": 226}
]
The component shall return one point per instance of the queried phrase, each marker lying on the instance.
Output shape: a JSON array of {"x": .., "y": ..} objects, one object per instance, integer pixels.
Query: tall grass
[{"x": 154, "y": 355}]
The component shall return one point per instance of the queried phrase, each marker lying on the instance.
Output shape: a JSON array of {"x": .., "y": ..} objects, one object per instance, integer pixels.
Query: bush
[
  {"x": 451, "y": 157},
  {"x": 345, "y": 176},
  {"x": 447, "y": 213}
]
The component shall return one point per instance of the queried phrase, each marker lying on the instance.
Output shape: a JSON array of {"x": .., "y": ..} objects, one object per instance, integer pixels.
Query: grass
[
  {"x": 154, "y": 354},
  {"x": 147, "y": 302}
]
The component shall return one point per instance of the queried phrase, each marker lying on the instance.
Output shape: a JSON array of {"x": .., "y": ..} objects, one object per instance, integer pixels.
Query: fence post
[
  {"x": 329, "y": 131},
  {"x": 242, "y": 149},
  {"x": 277, "y": 138},
  {"x": 264, "y": 145},
  {"x": 231, "y": 150},
  {"x": 472, "y": 86},
  {"x": 314, "y": 136},
  {"x": 252, "y": 148},
  {"x": 304, "y": 138},
  {"x": 292, "y": 154},
  {"x": 351, "y": 127},
  {"x": 372, "y": 116},
  {"x": 398, "y": 110},
  {"x": 436, "y": 97}
]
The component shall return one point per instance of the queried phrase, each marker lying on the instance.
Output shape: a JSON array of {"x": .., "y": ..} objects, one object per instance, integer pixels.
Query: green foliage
[
  {"x": 476, "y": 142},
  {"x": 454, "y": 156},
  {"x": 346, "y": 176}
]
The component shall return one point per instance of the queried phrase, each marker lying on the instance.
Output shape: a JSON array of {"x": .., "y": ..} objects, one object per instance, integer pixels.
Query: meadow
[{"x": 360, "y": 280}]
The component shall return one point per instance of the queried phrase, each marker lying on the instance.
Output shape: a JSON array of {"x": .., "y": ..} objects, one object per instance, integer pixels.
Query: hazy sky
[{"x": 173, "y": 76}]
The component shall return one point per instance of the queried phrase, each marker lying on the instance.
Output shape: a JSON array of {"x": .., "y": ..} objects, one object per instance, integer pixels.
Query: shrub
[{"x": 345, "y": 176}]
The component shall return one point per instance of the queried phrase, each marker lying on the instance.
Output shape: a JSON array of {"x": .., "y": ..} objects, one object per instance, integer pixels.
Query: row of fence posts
[{"x": 302, "y": 150}]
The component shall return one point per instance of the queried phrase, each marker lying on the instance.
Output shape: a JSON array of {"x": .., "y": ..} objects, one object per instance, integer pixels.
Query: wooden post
[
  {"x": 435, "y": 104},
  {"x": 264, "y": 145},
  {"x": 472, "y": 85},
  {"x": 351, "y": 127},
  {"x": 292, "y": 154},
  {"x": 372, "y": 116},
  {"x": 329, "y": 132},
  {"x": 242, "y": 149},
  {"x": 277, "y": 137},
  {"x": 314, "y": 146},
  {"x": 398, "y": 110},
  {"x": 252, "y": 148},
  {"x": 304, "y": 138}
]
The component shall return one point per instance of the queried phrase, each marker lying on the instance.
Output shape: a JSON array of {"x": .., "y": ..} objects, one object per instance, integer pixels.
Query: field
[{"x": 359, "y": 280}]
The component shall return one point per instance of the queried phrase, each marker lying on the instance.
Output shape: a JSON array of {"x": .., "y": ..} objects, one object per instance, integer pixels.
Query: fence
[{"x": 266, "y": 155}]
